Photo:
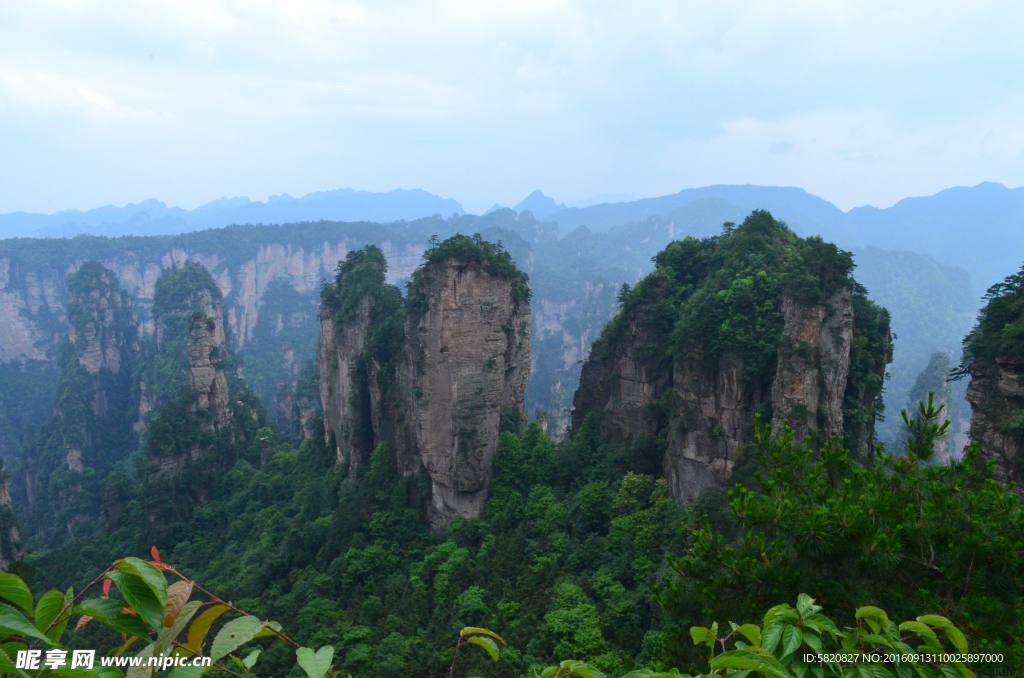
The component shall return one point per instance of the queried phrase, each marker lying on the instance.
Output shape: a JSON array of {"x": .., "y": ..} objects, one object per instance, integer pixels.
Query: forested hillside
[{"x": 585, "y": 548}]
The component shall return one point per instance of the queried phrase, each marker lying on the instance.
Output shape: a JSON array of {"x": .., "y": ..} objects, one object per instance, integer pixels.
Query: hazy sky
[{"x": 858, "y": 102}]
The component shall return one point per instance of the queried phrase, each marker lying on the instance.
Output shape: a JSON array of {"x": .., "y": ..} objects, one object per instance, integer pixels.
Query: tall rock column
[
  {"x": 994, "y": 358},
  {"x": 431, "y": 377},
  {"x": 467, "y": 363},
  {"x": 341, "y": 375},
  {"x": 205, "y": 367},
  {"x": 996, "y": 394},
  {"x": 68, "y": 460},
  {"x": 754, "y": 322},
  {"x": 813, "y": 366}
]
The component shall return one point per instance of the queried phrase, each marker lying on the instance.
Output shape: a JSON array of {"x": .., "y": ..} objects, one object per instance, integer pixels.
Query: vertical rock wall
[
  {"x": 689, "y": 367},
  {"x": 340, "y": 355},
  {"x": 996, "y": 394},
  {"x": 438, "y": 397},
  {"x": 467, "y": 360}
]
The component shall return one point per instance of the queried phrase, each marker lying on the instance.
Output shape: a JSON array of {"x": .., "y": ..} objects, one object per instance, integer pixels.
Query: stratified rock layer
[
  {"x": 684, "y": 370},
  {"x": 205, "y": 369},
  {"x": 996, "y": 394},
  {"x": 467, "y": 362},
  {"x": 461, "y": 364},
  {"x": 340, "y": 354}
]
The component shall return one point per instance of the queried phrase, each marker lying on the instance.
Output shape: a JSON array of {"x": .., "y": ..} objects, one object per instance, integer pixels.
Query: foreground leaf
[
  {"x": 235, "y": 633},
  {"x": 487, "y": 644},
  {"x": 315, "y": 664},
  {"x": 12, "y": 588}
]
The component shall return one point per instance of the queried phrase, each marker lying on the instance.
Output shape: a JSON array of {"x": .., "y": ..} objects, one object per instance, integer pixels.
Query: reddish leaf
[
  {"x": 155, "y": 554},
  {"x": 127, "y": 610},
  {"x": 106, "y": 588},
  {"x": 82, "y": 622}
]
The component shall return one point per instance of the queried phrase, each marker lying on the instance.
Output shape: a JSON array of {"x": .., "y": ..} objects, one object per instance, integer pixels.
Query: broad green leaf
[
  {"x": 699, "y": 634},
  {"x": 143, "y": 671},
  {"x": 152, "y": 577},
  {"x": 128, "y": 643},
  {"x": 189, "y": 671},
  {"x": 473, "y": 629},
  {"x": 772, "y": 634},
  {"x": 201, "y": 626},
  {"x": 935, "y": 621},
  {"x": 270, "y": 628},
  {"x": 825, "y": 623},
  {"x": 187, "y": 612},
  {"x": 487, "y": 644},
  {"x": 106, "y": 671},
  {"x": 586, "y": 671},
  {"x": 804, "y": 603},
  {"x": 12, "y": 588},
  {"x": 315, "y": 664},
  {"x": 964, "y": 671},
  {"x": 108, "y": 612},
  {"x": 48, "y": 608},
  {"x": 752, "y": 633},
  {"x": 235, "y": 633},
  {"x": 920, "y": 629},
  {"x": 871, "y": 612},
  {"x": 792, "y": 638},
  {"x": 640, "y": 673},
  {"x": 813, "y": 642},
  {"x": 13, "y": 623},
  {"x": 773, "y": 614},
  {"x": 7, "y": 666},
  {"x": 745, "y": 660},
  {"x": 250, "y": 660},
  {"x": 178, "y": 594},
  {"x": 139, "y": 595},
  {"x": 549, "y": 672},
  {"x": 956, "y": 637}
]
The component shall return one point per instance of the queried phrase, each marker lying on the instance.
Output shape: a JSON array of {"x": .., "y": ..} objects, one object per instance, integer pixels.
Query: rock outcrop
[
  {"x": 90, "y": 430},
  {"x": 343, "y": 381},
  {"x": 431, "y": 378},
  {"x": 682, "y": 366},
  {"x": 205, "y": 368},
  {"x": 467, "y": 361},
  {"x": 996, "y": 394},
  {"x": 11, "y": 546},
  {"x": 204, "y": 419}
]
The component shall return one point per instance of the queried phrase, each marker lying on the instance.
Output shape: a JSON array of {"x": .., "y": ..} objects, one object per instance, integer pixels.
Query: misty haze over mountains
[{"x": 979, "y": 228}]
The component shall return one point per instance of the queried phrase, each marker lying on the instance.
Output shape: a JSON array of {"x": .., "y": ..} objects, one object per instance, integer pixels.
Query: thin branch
[
  {"x": 451, "y": 673},
  {"x": 71, "y": 604},
  {"x": 231, "y": 607}
]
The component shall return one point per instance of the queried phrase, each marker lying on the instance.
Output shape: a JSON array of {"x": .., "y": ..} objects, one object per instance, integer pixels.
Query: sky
[{"x": 857, "y": 102}]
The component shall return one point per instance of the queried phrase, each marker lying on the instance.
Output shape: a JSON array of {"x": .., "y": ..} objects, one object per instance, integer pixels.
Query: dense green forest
[
  {"x": 574, "y": 279},
  {"x": 581, "y": 553}
]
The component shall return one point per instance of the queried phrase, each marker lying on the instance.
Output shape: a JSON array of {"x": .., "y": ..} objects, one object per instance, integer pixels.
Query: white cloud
[{"x": 859, "y": 101}]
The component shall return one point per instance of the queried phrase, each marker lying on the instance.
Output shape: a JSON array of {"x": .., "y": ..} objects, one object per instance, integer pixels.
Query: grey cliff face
[
  {"x": 24, "y": 294},
  {"x": 996, "y": 389},
  {"x": 813, "y": 366},
  {"x": 467, "y": 360},
  {"x": 99, "y": 345},
  {"x": 339, "y": 353},
  {"x": 711, "y": 410},
  {"x": 205, "y": 371},
  {"x": 464, "y": 363}
]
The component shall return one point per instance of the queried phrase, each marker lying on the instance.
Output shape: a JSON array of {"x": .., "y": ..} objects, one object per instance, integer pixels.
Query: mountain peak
[{"x": 540, "y": 204}]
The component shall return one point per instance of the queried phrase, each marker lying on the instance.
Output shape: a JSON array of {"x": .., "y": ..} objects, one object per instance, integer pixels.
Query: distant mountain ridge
[
  {"x": 153, "y": 217},
  {"x": 979, "y": 228}
]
